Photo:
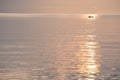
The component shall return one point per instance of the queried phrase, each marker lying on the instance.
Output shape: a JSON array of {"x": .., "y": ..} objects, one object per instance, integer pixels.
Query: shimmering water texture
[{"x": 60, "y": 48}]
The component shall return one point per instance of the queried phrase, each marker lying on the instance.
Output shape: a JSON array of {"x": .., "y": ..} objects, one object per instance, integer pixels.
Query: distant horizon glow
[
  {"x": 28, "y": 15},
  {"x": 52, "y": 14}
]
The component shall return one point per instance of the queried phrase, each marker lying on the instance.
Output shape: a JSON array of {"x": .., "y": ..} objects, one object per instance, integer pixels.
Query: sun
[{"x": 90, "y": 16}]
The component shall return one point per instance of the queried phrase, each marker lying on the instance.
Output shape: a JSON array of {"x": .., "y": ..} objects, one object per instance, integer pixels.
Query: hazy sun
[{"x": 90, "y": 16}]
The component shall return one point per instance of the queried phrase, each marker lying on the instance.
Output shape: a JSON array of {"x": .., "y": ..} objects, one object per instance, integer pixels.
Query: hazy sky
[{"x": 60, "y": 6}]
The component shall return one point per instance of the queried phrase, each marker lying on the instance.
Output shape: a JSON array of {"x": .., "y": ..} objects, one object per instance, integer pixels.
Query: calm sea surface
[{"x": 59, "y": 48}]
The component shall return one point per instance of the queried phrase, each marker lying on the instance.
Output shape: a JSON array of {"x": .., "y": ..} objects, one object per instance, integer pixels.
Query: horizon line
[
  {"x": 48, "y": 14},
  {"x": 59, "y": 13}
]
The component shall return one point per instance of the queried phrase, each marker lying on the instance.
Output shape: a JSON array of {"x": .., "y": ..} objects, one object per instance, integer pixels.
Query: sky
[{"x": 60, "y": 6}]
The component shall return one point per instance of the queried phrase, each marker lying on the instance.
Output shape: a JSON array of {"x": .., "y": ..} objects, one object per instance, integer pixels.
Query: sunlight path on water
[
  {"x": 82, "y": 59},
  {"x": 89, "y": 47}
]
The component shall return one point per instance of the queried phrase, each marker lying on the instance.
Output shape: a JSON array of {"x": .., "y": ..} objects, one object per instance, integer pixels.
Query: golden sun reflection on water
[
  {"x": 88, "y": 53},
  {"x": 80, "y": 56}
]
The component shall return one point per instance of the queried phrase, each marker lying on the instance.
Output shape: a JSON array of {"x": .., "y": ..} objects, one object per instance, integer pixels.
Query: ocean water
[{"x": 59, "y": 48}]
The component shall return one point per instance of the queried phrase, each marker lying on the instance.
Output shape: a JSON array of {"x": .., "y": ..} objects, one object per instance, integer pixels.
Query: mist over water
[{"x": 60, "y": 48}]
